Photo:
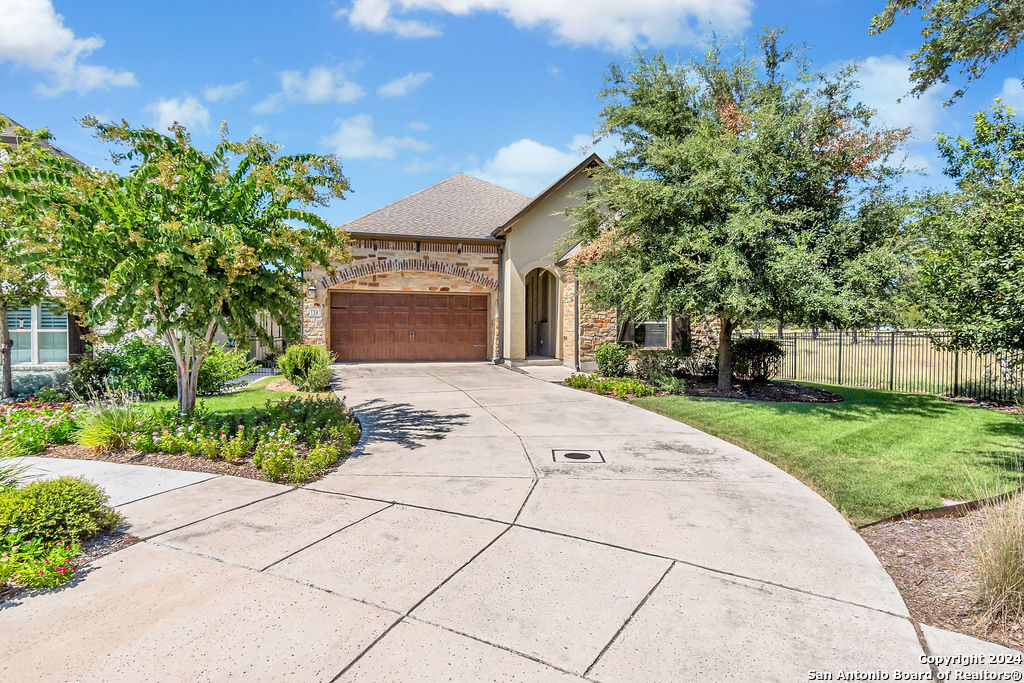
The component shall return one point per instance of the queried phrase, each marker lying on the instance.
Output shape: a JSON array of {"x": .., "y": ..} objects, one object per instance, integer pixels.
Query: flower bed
[
  {"x": 29, "y": 427},
  {"x": 43, "y": 525},
  {"x": 294, "y": 440}
]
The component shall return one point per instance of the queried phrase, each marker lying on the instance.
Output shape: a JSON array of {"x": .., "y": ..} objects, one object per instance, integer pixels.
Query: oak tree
[
  {"x": 971, "y": 34},
  {"x": 734, "y": 193}
]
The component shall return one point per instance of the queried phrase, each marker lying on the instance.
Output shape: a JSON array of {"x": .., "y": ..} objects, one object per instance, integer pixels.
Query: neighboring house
[
  {"x": 463, "y": 270},
  {"x": 45, "y": 337}
]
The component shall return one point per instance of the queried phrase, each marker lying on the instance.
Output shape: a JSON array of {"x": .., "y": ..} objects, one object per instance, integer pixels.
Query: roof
[
  {"x": 590, "y": 162},
  {"x": 461, "y": 207},
  {"x": 9, "y": 136}
]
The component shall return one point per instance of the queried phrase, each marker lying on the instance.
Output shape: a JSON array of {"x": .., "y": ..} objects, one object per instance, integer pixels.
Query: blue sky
[{"x": 409, "y": 92}]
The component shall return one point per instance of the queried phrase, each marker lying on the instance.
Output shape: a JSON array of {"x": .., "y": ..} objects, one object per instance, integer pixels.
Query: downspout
[
  {"x": 576, "y": 323},
  {"x": 500, "y": 350}
]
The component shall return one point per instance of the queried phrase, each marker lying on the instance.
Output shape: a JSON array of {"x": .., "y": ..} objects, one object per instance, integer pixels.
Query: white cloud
[
  {"x": 376, "y": 16},
  {"x": 188, "y": 111},
  {"x": 1013, "y": 94},
  {"x": 554, "y": 70},
  {"x": 319, "y": 84},
  {"x": 528, "y": 166},
  {"x": 884, "y": 81},
  {"x": 404, "y": 84},
  {"x": 417, "y": 125},
  {"x": 34, "y": 35},
  {"x": 355, "y": 139},
  {"x": 611, "y": 24},
  {"x": 224, "y": 91}
]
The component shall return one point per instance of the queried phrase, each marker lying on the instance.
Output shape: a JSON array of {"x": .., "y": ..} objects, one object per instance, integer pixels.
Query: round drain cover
[{"x": 577, "y": 456}]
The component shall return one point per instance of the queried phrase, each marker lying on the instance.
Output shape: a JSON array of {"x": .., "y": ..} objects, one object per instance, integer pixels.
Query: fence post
[
  {"x": 794, "y": 355},
  {"x": 956, "y": 373},
  {"x": 839, "y": 380},
  {"x": 892, "y": 360}
]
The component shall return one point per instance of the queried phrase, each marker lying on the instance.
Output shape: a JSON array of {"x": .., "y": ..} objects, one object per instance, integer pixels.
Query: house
[
  {"x": 463, "y": 271},
  {"x": 45, "y": 337}
]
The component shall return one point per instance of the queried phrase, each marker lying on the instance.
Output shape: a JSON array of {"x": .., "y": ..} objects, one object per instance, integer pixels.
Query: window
[
  {"x": 655, "y": 334},
  {"x": 40, "y": 335}
]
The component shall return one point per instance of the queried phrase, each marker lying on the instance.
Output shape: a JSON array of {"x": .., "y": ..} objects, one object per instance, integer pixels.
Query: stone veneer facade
[
  {"x": 406, "y": 265},
  {"x": 595, "y": 327}
]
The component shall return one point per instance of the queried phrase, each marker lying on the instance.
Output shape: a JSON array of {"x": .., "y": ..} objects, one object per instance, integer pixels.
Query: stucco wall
[
  {"x": 532, "y": 243},
  {"x": 468, "y": 258}
]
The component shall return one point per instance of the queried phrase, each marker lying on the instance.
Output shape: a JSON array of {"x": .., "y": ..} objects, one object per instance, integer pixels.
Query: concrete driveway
[{"x": 460, "y": 543}]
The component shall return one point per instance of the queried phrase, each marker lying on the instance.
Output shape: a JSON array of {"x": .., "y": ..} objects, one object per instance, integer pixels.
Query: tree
[
  {"x": 972, "y": 265},
  {"x": 732, "y": 195},
  {"x": 189, "y": 243},
  {"x": 25, "y": 240},
  {"x": 970, "y": 33}
]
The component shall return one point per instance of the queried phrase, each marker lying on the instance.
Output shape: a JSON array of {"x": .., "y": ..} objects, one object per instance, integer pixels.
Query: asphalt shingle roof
[
  {"x": 461, "y": 207},
  {"x": 9, "y": 136}
]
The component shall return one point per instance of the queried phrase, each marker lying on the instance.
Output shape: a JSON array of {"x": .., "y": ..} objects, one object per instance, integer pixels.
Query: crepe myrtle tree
[
  {"x": 26, "y": 234},
  {"x": 745, "y": 190},
  {"x": 188, "y": 242}
]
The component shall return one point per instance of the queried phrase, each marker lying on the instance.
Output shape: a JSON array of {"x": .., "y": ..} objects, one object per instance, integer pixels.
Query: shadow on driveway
[{"x": 402, "y": 424}]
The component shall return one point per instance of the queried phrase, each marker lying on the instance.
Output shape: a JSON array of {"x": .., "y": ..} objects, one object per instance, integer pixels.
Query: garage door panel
[{"x": 374, "y": 326}]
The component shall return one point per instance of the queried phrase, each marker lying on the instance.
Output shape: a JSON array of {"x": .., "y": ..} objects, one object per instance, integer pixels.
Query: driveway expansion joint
[
  {"x": 639, "y": 606},
  {"x": 321, "y": 540}
]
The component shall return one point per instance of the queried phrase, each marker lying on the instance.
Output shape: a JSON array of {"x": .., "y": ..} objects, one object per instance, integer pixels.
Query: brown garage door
[{"x": 372, "y": 326}]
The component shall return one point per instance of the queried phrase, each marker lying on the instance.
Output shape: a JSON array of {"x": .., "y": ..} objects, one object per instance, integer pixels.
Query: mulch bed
[
  {"x": 931, "y": 562},
  {"x": 172, "y": 461},
  {"x": 281, "y": 384},
  {"x": 773, "y": 392},
  {"x": 1002, "y": 407}
]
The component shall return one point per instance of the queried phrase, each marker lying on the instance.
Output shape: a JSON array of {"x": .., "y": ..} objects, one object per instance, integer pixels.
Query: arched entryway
[{"x": 541, "y": 313}]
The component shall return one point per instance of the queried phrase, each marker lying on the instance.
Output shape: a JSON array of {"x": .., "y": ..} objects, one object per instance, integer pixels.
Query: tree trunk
[
  {"x": 725, "y": 356},
  {"x": 6, "y": 346},
  {"x": 779, "y": 329}
]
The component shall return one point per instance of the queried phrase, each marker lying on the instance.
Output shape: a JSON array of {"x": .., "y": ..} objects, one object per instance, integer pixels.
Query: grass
[
  {"x": 255, "y": 395},
  {"x": 874, "y": 455}
]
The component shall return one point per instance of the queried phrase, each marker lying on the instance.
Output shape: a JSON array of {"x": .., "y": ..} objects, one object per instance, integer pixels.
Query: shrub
[
  {"x": 307, "y": 366},
  {"x": 757, "y": 358},
  {"x": 671, "y": 385},
  {"x": 66, "y": 509},
  {"x": 145, "y": 368},
  {"x": 89, "y": 375},
  {"x": 696, "y": 358},
  {"x": 578, "y": 381},
  {"x": 998, "y": 548},
  {"x": 116, "y": 427},
  {"x": 275, "y": 454},
  {"x": 221, "y": 367},
  {"x": 313, "y": 419},
  {"x": 652, "y": 366},
  {"x": 35, "y": 564},
  {"x": 619, "y": 386},
  {"x": 52, "y": 394},
  {"x": 612, "y": 360}
]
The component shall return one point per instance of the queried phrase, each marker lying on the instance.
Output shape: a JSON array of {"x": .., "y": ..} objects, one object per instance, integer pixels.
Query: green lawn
[
  {"x": 874, "y": 455},
  {"x": 253, "y": 396}
]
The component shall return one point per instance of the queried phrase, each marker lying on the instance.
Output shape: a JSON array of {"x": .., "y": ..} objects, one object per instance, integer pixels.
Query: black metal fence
[
  {"x": 899, "y": 360},
  {"x": 265, "y": 356}
]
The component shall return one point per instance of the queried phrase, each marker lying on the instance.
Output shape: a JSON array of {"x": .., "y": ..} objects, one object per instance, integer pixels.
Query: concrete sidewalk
[{"x": 461, "y": 543}]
